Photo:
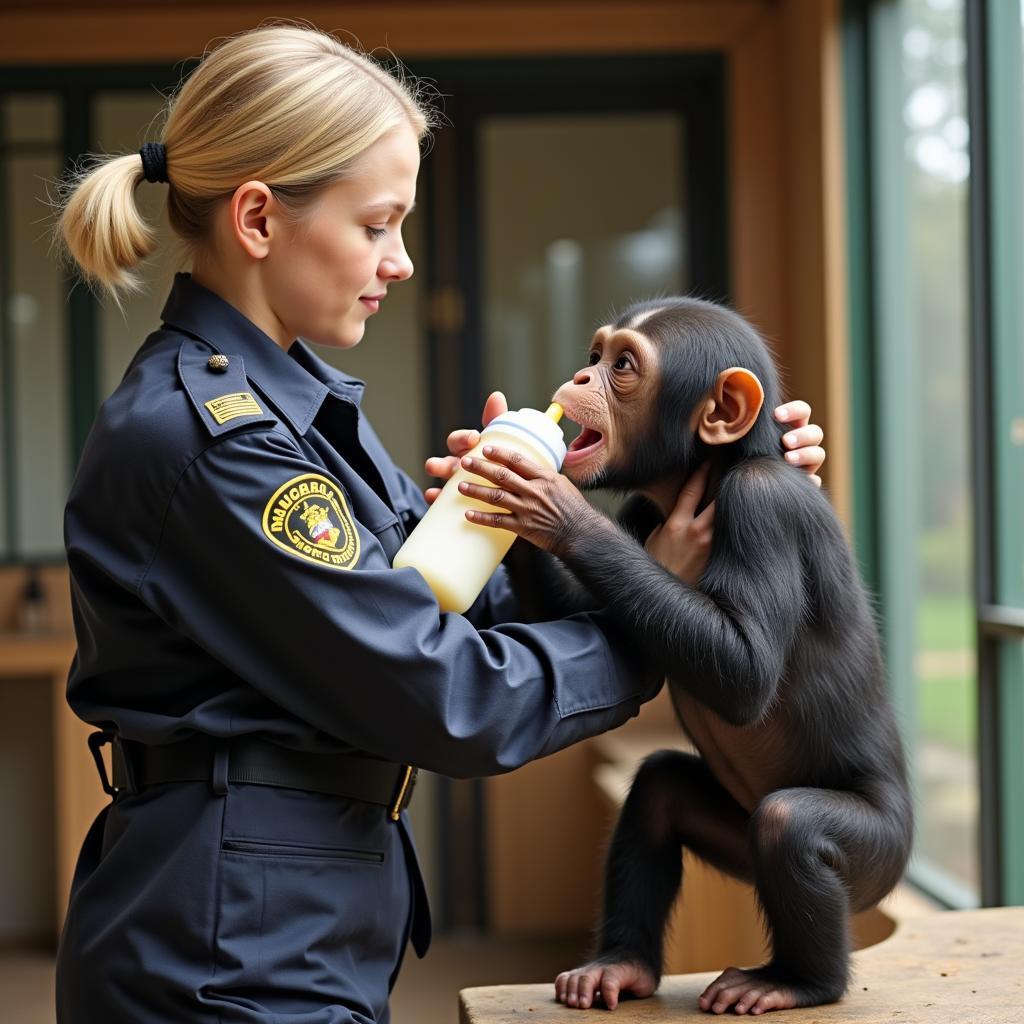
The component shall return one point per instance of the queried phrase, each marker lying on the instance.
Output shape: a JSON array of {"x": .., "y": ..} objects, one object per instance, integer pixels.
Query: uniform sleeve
[{"x": 358, "y": 649}]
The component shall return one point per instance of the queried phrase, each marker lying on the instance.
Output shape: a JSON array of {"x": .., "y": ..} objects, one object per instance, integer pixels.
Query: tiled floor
[{"x": 427, "y": 992}]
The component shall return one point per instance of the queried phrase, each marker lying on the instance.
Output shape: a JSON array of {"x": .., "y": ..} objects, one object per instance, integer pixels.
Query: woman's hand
[
  {"x": 682, "y": 543},
  {"x": 460, "y": 442},
  {"x": 543, "y": 506},
  {"x": 803, "y": 440}
]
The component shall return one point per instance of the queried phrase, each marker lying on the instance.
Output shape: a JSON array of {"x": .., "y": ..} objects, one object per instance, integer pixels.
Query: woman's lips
[{"x": 372, "y": 302}]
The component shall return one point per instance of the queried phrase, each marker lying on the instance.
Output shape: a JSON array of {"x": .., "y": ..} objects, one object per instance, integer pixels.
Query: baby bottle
[{"x": 457, "y": 557}]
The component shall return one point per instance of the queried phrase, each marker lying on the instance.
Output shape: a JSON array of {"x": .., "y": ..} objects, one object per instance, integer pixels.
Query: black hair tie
[{"x": 154, "y": 161}]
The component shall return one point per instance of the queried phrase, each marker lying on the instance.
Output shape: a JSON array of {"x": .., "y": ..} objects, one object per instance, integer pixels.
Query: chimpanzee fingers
[
  {"x": 796, "y": 413},
  {"x": 495, "y": 472},
  {"x": 706, "y": 517},
  {"x": 515, "y": 461},
  {"x": 561, "y": 986},
  {"x": 498, "y": 520},
  {"x": 692, "y": 492},
  {"x": 815, "y": 479},
  {"x": 497, "y": 496},
  {"x": 589, "y": 983},
  {"x": 430, "y": 494}
]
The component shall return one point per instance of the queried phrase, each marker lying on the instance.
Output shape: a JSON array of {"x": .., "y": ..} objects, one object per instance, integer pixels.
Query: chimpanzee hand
[
  {"x": 682, "y": 543},
  {"x": 543, "y": 506}
]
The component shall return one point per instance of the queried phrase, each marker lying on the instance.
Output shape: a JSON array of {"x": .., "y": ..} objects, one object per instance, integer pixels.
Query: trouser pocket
[{"x": 275, "y": 848}]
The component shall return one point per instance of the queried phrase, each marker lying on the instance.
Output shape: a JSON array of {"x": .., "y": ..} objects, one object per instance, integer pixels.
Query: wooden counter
[
  {"x": 78, "y": 796},
  {"x": 952, "y": 967}
]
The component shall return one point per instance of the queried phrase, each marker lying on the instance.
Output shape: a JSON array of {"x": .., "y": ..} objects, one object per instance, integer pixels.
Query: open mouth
[{"x": 588, "y": 442}]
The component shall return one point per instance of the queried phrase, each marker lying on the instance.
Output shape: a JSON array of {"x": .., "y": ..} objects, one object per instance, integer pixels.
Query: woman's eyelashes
[{"x": 375, "y": 233}]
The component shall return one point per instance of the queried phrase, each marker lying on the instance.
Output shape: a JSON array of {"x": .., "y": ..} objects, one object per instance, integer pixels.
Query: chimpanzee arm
[
  {"x": 545, "y": 589},
  {"x": 727, "y": 639}
]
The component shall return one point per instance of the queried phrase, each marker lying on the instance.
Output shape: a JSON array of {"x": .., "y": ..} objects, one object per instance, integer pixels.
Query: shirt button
[{"x": 217, "y": 363}]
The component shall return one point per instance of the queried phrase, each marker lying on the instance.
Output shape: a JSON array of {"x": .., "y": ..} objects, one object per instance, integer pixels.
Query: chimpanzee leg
[
  {"x": 674, "y": 802},
  {"x": 818, "y": 855}
]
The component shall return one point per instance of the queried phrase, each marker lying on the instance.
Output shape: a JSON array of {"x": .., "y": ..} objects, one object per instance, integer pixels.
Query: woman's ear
[
  {"x": 729, "y": 412},
  {"x": 253, "y": 212}
]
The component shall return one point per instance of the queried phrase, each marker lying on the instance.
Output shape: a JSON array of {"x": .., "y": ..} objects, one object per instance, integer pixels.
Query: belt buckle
[
  {"x": 97, "y": 740},
  {"x": 404, "y": 793}
]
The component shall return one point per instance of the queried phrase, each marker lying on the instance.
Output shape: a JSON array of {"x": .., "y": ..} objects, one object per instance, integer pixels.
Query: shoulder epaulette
[{"x": 219, "y": 390}]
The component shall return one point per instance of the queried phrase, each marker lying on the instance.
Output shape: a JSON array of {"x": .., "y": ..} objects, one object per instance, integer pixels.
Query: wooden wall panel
[{"x": 138, "y": 33}]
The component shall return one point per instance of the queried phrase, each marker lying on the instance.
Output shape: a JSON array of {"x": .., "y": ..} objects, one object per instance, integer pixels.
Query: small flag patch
[{"x": 230, "y": 407}]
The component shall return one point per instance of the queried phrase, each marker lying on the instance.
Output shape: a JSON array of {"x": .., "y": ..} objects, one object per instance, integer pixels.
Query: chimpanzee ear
[{"x": 728, "y": 413}]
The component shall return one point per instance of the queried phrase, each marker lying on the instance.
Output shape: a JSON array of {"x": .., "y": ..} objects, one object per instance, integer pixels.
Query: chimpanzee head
[{"x": 671, "y": 383}]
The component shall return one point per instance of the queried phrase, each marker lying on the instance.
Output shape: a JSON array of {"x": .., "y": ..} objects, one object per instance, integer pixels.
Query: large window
[{"x": 934, "y": 110}]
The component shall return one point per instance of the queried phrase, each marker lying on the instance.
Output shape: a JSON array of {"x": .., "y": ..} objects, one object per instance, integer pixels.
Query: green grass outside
[{"x": 947, "y": 705}]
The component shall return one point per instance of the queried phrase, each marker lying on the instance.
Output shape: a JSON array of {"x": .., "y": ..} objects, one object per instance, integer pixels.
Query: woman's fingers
[
  {"x": 804, "y": 437},
  {"x": 462, "y": 441},
  {"x": 494, "y": 406},
  {"x": 796, "y": 414},
  {"x": 807, "y": 458},
  {"x": 441, "y": 466}
]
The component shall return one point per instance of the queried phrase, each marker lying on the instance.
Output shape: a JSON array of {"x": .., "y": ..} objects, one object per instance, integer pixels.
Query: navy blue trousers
[{"x": 262, "y": 905}]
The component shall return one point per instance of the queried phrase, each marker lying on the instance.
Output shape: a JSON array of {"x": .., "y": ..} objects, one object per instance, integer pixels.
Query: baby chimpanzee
[{"x": 772, "y": 656}]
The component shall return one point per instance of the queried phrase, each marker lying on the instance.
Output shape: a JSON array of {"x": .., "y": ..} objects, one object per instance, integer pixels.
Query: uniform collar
[{"x": 296, "y": 381}]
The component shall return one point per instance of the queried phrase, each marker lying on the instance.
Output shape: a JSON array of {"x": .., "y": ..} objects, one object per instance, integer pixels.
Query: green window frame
[
  {"x": 995, "y": 107},
  {"x": 996, "y": 90}
]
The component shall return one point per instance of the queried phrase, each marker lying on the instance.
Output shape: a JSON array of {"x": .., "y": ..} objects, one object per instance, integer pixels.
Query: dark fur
[{"x": 778, "y": 624}]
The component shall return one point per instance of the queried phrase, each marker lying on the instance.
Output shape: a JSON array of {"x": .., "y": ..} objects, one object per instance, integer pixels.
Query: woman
[{"x": 266, "y": 679}]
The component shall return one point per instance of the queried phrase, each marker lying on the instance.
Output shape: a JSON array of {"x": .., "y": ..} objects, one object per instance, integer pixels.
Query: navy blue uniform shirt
[
  {"x": 230, "y": 537},
  {"x": 230, "y": 533}
]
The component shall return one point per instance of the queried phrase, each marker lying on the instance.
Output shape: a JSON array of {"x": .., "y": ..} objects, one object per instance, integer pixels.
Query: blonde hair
[{"x": 284, "y": 104}]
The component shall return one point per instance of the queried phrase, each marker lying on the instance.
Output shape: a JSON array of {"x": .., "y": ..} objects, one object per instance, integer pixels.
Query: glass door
[{"x": 563, "y": 189}]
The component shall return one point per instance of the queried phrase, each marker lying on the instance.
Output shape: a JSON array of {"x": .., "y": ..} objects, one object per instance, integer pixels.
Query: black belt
[{"x": 253, "y": 761}]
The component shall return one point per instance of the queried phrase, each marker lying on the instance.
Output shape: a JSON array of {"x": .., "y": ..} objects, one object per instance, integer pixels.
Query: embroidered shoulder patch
[
  {"x": 229, "y": 407},
  {"x": 308, "y": 517}
]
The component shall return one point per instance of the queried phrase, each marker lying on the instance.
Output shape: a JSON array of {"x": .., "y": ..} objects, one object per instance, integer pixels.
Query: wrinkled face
[
  {"x": 613, "y": 399},
  {"x": 330, "y": 272}
]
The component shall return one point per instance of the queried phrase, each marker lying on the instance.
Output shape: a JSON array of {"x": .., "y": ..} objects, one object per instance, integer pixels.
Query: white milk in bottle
[{"x": 457, "y": 557}]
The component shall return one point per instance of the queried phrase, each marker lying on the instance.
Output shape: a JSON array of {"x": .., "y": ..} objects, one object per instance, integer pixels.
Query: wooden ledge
[{"x": 945, "y": 968}]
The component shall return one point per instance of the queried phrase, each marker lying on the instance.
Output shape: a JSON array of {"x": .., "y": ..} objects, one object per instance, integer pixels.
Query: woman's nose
[{"x": 396, "y": 266}]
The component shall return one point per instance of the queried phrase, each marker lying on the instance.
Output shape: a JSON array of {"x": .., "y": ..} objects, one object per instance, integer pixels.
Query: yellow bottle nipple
[{"x": 554, "y": 412}]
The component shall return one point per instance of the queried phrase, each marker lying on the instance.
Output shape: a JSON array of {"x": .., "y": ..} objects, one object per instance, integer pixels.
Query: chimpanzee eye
[
  {"x": 622, "y": 363},
  {"x": 592, "y": 359}
]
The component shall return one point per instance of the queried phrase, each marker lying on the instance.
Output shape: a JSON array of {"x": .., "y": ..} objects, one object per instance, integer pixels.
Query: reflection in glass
[
  {"x": 34, "y": 416},
  {"x": 581, "y": 215},
  {"x": 936, "y": 169}
]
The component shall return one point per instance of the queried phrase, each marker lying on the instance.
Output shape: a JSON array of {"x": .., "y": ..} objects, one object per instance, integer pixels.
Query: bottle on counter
[
  {"x": 32, "y": 611},
  {"x": 457, "y": 557}
]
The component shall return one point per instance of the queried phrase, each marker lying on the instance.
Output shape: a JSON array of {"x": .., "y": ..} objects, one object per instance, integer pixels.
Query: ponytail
[
  {"x": 284, "y": 104},
  {"x": 100, "y": 228}
]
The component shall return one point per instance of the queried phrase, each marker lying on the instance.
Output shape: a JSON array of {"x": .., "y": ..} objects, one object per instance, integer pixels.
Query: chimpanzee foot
[
  {"x": 580, "y": 988},
  {"x": 752, "y": 992}
]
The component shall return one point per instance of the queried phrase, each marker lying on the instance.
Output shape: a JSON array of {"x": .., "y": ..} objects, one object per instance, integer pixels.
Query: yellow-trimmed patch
[
  {"x": 230, "y": 407},
  {"x": 308, "y": 517}
]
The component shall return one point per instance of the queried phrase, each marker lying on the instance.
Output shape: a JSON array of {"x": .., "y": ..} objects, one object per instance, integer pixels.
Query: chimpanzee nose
[{"x": 581, "y": 377}]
